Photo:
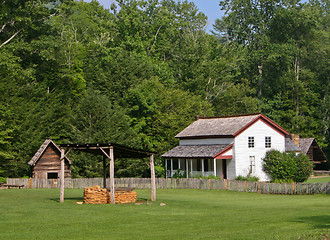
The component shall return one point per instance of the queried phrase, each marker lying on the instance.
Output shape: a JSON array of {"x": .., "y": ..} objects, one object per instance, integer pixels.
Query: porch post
[
  {"x": 215, "y": 167},
  {"x": 62, "y": 176},
  {"x": 112, "y": 176},
  {"x": 191, "y": 167},
  {"x": 171, "y": 167},
  {"x": 153, "y": 179},
  {"x": 165, "y": 168},
  {"x": 202, "y": 167},
  {"x": 187, "y": 170},
  {"x": 179, "y": 164}
]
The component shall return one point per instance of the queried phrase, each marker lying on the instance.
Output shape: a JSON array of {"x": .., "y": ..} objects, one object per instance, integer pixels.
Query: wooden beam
[
  {"x": 62, "y": 176},
  {"x": 66, "y": 154},
  {"x": 153, "y": 178},
  {"x": 112, "y": 176},
  {"x": 105, "y": 152},
  {"x": 104, "y": 172}
]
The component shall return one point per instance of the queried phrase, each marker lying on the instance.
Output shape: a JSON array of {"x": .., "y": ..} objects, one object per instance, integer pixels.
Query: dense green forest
[{"x": 138, "y": 73}]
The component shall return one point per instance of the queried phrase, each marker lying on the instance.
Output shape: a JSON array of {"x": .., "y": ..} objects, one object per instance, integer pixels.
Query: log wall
[
  {"x": 50, "y": 162},
  {"x": 191, "y": 183}
]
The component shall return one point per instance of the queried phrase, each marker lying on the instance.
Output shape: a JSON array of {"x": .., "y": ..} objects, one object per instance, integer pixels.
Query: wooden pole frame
[
  {"x": 153, "y": 178},
  {"x": 104, "y": 172},
  {"x": 112, "y": 175},
  {"x": 62, "y": 175},
  {"x": 111, "y": 156}
]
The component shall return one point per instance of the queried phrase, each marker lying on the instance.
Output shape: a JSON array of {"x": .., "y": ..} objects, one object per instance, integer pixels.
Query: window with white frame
[
  {"x": 252, "y": 165},
  {"x": 251, "y": 142},
  {"x": 268, "y": 142}
]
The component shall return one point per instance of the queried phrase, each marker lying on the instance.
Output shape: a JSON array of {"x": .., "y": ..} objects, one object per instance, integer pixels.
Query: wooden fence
[{"x": 191, "y": 183}]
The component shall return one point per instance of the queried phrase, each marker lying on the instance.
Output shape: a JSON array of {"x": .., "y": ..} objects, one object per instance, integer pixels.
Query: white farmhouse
[{"x": 227, "y": 146}]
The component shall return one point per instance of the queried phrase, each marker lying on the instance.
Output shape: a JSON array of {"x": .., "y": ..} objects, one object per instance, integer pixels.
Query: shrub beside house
[{"x": 287, "y": 167}]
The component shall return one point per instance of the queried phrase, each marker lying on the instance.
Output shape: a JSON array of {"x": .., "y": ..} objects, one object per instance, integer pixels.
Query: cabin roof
[
  {"x": 195, "y": 151},
  {"x": 305, "y": 144},
  {"x": 290, "y": 146},
  {"x": 225, "y": 126},
  {"x": 41, "y": 150}
]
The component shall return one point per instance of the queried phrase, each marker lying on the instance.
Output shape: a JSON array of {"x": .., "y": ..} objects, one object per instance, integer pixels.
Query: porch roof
[
  {"x": 195, "y": 151},
  {"x": 290, "y": 146}
]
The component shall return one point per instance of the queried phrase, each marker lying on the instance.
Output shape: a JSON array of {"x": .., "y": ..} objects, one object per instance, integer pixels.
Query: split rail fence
[{"x": 190, "y": 183}]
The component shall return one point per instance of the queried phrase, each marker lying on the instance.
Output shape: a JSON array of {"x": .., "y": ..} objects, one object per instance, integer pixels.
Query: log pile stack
[
  {"x": 98, "y": 195},
  {"x": 125, "y": 196}
]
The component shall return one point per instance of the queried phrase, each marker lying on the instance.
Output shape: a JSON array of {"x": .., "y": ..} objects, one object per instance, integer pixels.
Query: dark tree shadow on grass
[
  {"x": 317, "y": 222},
  {"x": 78, "y": 199}
]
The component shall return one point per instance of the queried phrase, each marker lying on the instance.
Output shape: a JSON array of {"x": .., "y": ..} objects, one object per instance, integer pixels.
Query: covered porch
[
  {"x": 198, "y": 161},
  {"x": 196, "y": 168}
]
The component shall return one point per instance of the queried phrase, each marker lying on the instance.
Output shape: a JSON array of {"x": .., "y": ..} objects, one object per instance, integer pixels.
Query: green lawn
[
  {"x": 318, "y": 180},
  {"x": 188, "y": 214}
]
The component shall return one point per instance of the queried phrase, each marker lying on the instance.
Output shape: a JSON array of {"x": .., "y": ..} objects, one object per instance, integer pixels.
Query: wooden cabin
[
  {"x": 46, "y": 162},
  {"x": 310, "y": 147}
]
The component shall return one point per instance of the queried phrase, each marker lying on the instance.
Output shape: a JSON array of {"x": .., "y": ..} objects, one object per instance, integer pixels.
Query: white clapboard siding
[{"x": 259, "y": 130}]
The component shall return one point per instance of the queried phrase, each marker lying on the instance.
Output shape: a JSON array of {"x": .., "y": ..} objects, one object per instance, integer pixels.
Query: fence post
[{"x": 293, "y": 187}]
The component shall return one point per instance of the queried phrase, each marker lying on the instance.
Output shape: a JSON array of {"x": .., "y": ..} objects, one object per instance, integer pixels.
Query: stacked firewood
[
  {"x": 125, "y": 196},
  {"x": 98, "y": 195}
]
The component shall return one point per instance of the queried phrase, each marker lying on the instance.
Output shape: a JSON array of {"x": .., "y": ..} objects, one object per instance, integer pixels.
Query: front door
[{"x": 224, "y": 169}]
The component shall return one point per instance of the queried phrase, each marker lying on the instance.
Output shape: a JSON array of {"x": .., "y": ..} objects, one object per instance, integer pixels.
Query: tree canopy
[{"x": 138, "y": 73}]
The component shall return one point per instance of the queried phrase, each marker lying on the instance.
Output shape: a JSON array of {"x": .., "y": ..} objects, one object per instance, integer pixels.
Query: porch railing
[{"x": 170, "y": 173}]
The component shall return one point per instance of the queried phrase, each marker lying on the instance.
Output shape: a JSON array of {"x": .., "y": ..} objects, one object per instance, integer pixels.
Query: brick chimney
[{"x": 295, "y": 139}]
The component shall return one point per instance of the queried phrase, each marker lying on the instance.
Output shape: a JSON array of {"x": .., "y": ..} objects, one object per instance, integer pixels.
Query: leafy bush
[
  {"x": 290, "y": 166},
  {"x": 3, "y": 180},
  {"x": 180, "y": 174},
  {"x": 247, "y": 178},
  {"x": 305, "y": 168},
  {"x": 159, "y": 171},
  {"x": 206, "y": 177},
  {"x": 273, "y": 164},
  {"x": 212, "y": 177},
  {"x": 287, "y": 167}
]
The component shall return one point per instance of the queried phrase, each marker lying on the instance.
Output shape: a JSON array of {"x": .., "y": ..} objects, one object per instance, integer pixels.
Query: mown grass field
[
  {"x": 318, "y": 180},
  {"x": 188, "y": 214}
]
